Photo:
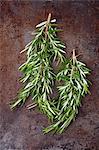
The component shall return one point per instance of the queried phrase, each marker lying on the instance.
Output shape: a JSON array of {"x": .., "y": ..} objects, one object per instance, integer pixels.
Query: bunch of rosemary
[
  {"x": 39, "y": 78},
  {"x": 74, "y": 87},
  {"x": 38, "y": 75}
]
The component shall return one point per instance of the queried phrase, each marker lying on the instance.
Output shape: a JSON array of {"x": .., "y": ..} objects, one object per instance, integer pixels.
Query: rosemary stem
[{"x": 48, "y": 21}]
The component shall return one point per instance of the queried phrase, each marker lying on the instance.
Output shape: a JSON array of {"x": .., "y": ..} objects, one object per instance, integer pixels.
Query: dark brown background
[{"x": 21, "y": 129}]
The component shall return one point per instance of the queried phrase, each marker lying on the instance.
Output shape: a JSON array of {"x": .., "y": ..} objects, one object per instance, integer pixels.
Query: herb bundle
[
  {"x": 39, "y": 78},
  {"x": 74, "y": 87},
  {"x": 38, "y": 75}
]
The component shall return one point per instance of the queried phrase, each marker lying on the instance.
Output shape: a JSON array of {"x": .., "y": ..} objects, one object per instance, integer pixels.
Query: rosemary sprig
[
  {"x": 38, "y": 75},
  {"x": 75, "y": 86}
]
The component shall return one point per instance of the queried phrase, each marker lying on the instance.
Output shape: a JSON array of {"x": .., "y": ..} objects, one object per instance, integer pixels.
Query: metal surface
[{"x": 22, "y": 129}]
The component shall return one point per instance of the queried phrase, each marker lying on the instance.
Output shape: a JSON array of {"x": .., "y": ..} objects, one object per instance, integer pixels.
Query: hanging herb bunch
[
  {"x": 39, "y": 78},
  {"x": 74, "y": 87}
]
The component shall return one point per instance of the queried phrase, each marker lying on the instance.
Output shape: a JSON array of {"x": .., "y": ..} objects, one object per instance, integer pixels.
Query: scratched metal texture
[{"x": 22, "y": 129}]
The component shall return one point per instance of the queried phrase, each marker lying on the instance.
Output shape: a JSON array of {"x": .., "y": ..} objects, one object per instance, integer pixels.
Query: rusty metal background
[{"x": 22, "y": 129}]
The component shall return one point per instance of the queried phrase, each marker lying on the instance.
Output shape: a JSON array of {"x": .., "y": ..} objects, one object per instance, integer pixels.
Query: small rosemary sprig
[{"x": 75, "y": 86}]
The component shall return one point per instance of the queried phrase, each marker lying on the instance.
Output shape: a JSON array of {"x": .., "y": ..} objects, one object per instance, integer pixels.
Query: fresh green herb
[
  {"x": 74, "y": 87},
  {"x": 39, "y": 78},
  {"x": 38, "y": 75}
]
